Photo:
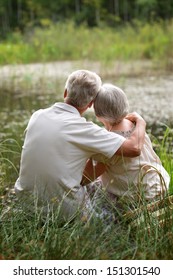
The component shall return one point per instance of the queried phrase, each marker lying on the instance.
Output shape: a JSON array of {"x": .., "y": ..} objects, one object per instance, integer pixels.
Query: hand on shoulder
[{"x": 135, "y": 117}]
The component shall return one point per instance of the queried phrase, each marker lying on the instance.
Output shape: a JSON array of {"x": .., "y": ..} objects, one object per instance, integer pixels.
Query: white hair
[
  {"x": 111, "y": 104},
  {"x": 82, "y": 87}
]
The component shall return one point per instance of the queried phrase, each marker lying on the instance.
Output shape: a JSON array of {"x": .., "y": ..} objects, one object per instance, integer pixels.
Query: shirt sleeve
[
  {"x": 107, "y": 143},
  {"x": 97, "y": 140}
]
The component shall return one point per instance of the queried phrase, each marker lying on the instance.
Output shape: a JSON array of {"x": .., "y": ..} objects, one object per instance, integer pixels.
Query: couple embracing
[{"x": 60, "y": 147}]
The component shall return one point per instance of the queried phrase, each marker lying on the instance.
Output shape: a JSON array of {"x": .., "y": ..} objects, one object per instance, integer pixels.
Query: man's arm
[{"x": 132, "y": 146}]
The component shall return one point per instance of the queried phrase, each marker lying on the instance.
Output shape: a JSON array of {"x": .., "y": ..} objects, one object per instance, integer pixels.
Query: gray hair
[
  {"x": 82, "y": 87},
  {"x": 111, "y": 104}
]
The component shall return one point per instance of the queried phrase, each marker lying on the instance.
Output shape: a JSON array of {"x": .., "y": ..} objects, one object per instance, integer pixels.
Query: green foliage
[
  {"x": 9, "y": 158},
  {"x": 24, "y": 14},
  {"x": 163, "y": 147},
  {"x": 65, "y": 41}
]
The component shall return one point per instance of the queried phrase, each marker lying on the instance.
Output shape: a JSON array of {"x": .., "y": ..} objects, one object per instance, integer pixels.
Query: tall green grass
[
  {"x": 163, "y": 146},
  {"x": 68, "y": 42}
]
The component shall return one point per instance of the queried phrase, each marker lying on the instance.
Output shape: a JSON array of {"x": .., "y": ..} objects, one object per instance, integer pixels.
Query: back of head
[
  {"x": 111, "y": 104},
  {"x": 82, "y": 87}
]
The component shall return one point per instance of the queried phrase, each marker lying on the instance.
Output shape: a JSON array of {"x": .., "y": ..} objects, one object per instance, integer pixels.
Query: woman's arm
[{"x": 92, "y": 171}]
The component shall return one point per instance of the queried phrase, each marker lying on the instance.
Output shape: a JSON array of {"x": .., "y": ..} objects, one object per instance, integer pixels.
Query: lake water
[{"x": 24, "y": 89}]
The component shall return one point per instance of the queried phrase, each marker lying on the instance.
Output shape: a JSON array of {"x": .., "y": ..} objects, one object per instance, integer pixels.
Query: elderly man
[{"x": 59, "y": 141}]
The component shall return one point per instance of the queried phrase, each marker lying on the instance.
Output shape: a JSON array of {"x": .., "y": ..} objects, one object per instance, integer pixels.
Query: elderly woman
[{"x": 134, "y": 179}]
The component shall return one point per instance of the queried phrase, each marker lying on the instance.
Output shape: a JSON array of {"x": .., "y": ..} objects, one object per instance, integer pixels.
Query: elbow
[
  {"x": 136, "y": 152},
  {"x": 130, "y": 149}
]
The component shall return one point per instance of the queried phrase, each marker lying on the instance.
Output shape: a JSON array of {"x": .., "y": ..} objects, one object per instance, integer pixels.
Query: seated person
[{"x": 134, "y": 179}]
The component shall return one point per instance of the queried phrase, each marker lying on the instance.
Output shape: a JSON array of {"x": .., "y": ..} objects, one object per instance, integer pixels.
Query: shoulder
[{"x": 99, "y": 131}]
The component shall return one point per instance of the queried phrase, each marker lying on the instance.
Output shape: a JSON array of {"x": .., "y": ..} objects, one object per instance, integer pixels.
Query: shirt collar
[{"x": 66, "y": 107}]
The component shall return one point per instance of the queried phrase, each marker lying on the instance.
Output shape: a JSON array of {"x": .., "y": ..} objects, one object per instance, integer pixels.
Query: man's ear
[{"x": 65, "y": 93}]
